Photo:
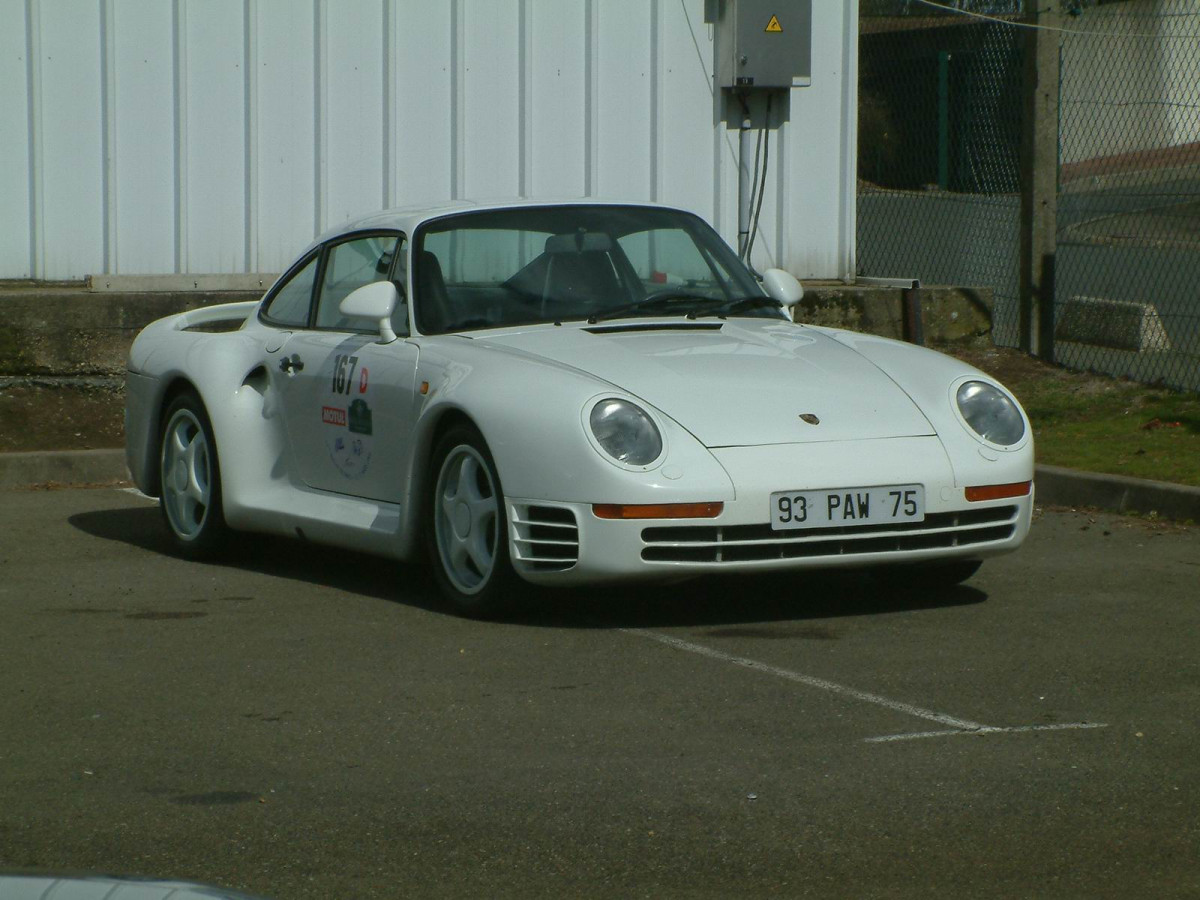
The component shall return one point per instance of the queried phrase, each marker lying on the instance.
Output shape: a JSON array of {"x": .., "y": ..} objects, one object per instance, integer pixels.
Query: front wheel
[
  {"x": 468, "y": 537},
  {"x": 191, "y": 479}
]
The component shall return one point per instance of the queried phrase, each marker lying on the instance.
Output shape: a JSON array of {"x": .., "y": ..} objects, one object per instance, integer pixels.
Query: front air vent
[
  {"x": 545, "y": 538},
  {"x": 654, "y": 326},
  {"x": 220, "y": 327}
]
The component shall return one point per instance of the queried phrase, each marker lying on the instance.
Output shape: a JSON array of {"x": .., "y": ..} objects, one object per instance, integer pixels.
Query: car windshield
[{"x": 548, "y": 264}]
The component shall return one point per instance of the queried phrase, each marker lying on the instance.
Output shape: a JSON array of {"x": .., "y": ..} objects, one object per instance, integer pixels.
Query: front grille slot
[
  {"x": 545, "y": 538},
  {"x": 750, "y": 543}
]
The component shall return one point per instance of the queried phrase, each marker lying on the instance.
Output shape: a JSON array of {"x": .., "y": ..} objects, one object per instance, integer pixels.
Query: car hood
[{"x": 735, "y": 383}]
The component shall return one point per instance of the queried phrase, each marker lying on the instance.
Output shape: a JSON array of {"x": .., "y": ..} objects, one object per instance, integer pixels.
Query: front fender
[
  {"x": 930, "y": 379},
  {"x": 532, "y": 414}
]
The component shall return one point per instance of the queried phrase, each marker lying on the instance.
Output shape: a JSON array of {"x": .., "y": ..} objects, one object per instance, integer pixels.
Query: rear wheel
[
  {"x": 191, "y": 479},
  {"x": 468, "y": 536}
]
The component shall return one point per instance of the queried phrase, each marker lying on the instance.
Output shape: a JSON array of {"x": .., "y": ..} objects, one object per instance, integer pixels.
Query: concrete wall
[
  {"x": 67, "y": 331},
  {"x": 216, "y": 136}
]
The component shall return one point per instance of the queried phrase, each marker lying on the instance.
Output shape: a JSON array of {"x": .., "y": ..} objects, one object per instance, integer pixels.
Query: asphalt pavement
[{"x": 300, "y": 722}]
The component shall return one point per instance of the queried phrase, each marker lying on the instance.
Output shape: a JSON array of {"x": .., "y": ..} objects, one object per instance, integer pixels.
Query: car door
[{"x": 347, "y": 399}]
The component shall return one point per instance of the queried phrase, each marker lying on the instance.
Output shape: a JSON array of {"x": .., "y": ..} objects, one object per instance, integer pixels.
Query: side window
[
  {"x": 291, "y": 302},
  {"x": 350, "y": 265}
]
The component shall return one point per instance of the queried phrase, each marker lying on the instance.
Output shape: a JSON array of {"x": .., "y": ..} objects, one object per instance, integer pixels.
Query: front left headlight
[
  {"x": 626, "y": 432},
  {"x": 990, "y": 413}
]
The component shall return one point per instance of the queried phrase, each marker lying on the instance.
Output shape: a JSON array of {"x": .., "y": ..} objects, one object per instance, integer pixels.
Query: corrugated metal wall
[{"x": 219, "y": 136}]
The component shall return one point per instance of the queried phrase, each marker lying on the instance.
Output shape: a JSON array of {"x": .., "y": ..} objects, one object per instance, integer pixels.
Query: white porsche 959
[{"x": 572, "y": 393}]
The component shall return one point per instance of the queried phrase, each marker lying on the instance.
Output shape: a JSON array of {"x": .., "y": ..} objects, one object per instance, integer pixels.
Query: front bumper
[{"x": 564, "y": 543}]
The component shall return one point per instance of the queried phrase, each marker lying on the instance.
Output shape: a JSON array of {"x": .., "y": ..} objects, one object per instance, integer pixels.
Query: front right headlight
[
  {"x": 626, "y": 432},
  {"x": 990, "y": 413}
]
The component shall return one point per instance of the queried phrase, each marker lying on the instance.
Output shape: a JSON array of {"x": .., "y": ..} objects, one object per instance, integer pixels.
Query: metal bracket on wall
[{"x": 910, "y": 290}]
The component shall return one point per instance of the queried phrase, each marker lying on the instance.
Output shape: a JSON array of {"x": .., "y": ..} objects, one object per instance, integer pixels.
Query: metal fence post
[
  {"x": 944, "y": 121},
  {"x": 1039, "y": 179}
]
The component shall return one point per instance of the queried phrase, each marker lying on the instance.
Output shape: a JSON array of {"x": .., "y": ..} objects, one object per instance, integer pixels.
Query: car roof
[{"x": 408, "y": 218}]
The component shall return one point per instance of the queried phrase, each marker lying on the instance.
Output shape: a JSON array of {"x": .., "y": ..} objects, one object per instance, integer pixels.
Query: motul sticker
[{"x": 331, "y": 415}]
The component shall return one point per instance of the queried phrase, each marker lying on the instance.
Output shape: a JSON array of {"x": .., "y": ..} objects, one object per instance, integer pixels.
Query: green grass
[
  {"x": 1125, "y": 431},
  {"x": 1103, "y": 424}
]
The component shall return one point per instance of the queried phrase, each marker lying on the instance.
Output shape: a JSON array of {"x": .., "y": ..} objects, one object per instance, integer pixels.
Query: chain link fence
[
  {"x": 940, "y": 128},
  {"x": 1128, "y": 274}
]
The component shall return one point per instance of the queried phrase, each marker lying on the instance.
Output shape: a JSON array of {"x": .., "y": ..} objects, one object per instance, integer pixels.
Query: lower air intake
[
  {"x": 749, "y": 543},
  {"x": 545, "y": 538}
]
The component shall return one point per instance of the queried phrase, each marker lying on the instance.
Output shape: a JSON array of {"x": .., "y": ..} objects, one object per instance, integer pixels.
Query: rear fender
[{"x": 227, "y": 371}]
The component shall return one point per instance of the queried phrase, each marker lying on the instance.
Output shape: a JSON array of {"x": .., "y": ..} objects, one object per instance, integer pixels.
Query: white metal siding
[
  {"x": 218, "y": 136},
  {"x": 15, "y": 138}
]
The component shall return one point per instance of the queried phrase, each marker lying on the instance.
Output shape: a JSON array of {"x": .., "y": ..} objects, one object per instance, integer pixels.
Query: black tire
[
  {"x": 929, "y": 576},
  {"x": 467, "y": 531},
  {"x": 190, "y": 475}
]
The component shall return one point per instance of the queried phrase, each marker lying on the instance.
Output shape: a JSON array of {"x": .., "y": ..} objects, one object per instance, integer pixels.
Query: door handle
[{"x": 291, "y": 364}]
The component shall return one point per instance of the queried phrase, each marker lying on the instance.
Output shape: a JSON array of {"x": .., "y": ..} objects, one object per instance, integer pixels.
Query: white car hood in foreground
[{"x": 742, "y": 383}]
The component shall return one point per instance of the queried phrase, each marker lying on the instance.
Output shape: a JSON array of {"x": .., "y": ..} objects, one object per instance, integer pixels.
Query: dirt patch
[
  {"x": 1009, "y": 365},
  {"x": 1016, "y": 369},
  {"x": 80, "y": 415}
]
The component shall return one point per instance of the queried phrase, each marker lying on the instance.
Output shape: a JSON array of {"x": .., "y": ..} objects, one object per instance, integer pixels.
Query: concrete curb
[
  {"x": 1055, "y": 485},
  {"x": 62, "y": 467}
]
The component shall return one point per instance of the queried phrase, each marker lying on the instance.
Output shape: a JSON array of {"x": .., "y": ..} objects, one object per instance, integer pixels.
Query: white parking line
[
  {"x": 987, "y": 729},
  {"x": 956, "y": 725},
  {"x": 811, "y": 681}
]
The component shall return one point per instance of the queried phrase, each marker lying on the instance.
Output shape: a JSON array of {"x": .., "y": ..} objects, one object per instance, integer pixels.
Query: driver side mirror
[
  {"x": 782, "y": 286},
  {"x": 376, "y": 300}
]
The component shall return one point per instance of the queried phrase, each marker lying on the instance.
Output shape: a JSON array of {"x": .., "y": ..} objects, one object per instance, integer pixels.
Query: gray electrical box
[{"x": 762, "y": 43}]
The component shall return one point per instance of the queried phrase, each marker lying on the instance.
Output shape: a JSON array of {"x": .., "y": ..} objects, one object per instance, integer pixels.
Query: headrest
[{"x": 579, "y": 242}]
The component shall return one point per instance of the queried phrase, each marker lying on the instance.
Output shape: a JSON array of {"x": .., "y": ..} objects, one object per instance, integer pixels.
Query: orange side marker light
[
  {"x": 998, "y": 491},
  {"x": 657, "y": 510}
]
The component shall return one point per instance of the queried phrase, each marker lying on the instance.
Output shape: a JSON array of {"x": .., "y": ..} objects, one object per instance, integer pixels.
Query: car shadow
[
  {"x": 739, "y": 600},
  {"x": 722, "y": 600},
  {"x": 343, "y": 570}
]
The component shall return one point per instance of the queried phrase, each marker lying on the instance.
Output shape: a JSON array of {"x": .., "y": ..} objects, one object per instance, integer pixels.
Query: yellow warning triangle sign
[{"x": 774, "y": 25}]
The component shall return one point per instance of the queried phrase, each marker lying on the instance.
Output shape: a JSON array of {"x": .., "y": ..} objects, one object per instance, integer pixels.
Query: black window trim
[
  {"x": 321, "y": 254},
  {"x": 284, "y": 280}
]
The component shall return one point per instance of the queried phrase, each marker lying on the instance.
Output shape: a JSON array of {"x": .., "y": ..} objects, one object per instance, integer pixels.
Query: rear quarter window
[{"x": 291, "y": 302}]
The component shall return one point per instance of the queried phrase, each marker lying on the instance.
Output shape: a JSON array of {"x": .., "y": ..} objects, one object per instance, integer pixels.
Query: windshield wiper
[
  {"x": 654, "y": 300},
  {"x": 739, "y": 304}
]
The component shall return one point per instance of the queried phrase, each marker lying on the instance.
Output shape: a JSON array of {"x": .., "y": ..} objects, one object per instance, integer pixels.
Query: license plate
[{"x": 838, "y": 507}]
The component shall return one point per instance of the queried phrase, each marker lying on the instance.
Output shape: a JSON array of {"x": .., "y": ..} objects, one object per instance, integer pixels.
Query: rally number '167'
[{"x": 343, "y": 373}]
